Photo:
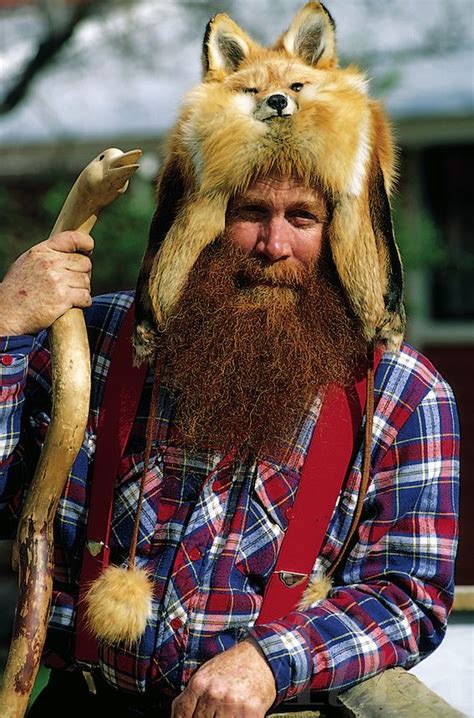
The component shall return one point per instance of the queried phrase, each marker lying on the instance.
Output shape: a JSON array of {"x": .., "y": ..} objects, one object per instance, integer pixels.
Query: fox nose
[{"x": 277, "y": 102}]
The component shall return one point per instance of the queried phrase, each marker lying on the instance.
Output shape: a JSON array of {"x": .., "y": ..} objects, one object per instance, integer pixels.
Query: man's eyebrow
[
  {"x": 250, "y": 199},
  {"x": 311, "y": 205}
]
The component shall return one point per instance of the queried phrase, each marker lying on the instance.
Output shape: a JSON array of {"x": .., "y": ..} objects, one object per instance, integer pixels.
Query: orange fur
[
  {"x": 317, "y": 590},
  {"x": 335, "y": 137},
  {"x": 119, "y": 605}
]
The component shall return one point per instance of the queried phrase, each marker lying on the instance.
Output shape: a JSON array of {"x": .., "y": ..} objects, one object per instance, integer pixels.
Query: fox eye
[
  {"x": 297, "y": 86},
  {"x": 250, "y": 90}
]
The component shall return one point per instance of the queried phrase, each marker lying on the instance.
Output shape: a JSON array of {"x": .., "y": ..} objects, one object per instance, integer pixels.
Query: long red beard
[{"x": 249, "y": 346}]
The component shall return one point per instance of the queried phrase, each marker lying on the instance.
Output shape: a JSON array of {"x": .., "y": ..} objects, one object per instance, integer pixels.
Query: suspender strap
[
  {"x": 123, "y": 389},
  {"x": 329, "y": 458}
]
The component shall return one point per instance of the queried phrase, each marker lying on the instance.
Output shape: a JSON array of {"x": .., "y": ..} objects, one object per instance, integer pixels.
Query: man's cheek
[{"x": 243, "y": 235}]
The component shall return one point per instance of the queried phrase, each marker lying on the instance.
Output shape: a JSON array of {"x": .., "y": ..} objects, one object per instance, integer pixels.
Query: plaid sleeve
[
  {"x": 391, "y": 600},
  {"x": 14, "y": 353},
  {"x": 25, "y": 398}
]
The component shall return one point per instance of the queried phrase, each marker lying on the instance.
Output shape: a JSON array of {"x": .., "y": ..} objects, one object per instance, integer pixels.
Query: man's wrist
[
  {"x": 291, "y": 667},
  {"x": 253, "y": 642}
]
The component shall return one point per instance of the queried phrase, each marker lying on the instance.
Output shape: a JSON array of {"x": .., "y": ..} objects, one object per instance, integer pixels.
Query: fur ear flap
[
  {"x": 311, "y": 36},
  {"x": 366, "y": 255},
  {"x": 380, "y": 184},
  {"x": 393, "y": 325},
  {"x": 225, "y": 46},
  {"x": 197, "y": 225},
  {"x": 170, "y": 191}
]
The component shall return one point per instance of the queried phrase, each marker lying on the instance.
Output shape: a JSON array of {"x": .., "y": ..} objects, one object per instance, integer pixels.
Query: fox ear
[
  {"x": 312, "y": 36},
  {"x": 225, "y": 45},
  {"x": 364, "y": 250}
]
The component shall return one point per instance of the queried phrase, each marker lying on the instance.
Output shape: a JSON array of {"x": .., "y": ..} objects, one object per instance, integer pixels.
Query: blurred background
[{"x": 79, "y": 76}]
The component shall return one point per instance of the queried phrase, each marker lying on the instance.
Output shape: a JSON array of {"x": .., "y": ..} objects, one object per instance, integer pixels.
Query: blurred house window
[{"x": 447, "y": 182}]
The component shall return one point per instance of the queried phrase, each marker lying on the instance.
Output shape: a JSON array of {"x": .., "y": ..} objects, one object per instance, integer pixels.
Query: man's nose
[{"x": 273, "y": 241}]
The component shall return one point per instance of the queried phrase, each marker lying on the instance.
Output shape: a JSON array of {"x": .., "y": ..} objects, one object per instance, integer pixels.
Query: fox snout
[{"x": 278, "y": 104}]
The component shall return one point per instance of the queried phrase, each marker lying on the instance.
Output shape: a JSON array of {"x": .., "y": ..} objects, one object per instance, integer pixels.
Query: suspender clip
[
  {"x": 292, "y": 578},
  {"x": 95, "y": 547}
]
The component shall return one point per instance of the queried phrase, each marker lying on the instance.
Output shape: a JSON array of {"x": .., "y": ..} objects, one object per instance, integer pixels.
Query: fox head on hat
[{"x": 290, "y": 110}]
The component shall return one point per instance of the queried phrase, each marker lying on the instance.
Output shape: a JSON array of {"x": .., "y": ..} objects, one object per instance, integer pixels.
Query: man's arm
[
  {"x": 390, "y": 603},
  {"x": 40, "y": 286}
]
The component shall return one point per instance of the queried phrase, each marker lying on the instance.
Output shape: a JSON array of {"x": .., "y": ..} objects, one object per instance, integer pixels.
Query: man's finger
[
  {"x": 77, "y": 263},
  {"x": 81, "y": 298},
  {"x": 78, "y": 280},
  {"x": 71, "y": 242},
  {"x": 206, "y": 708},
  {"x": 183, "y": 706}
]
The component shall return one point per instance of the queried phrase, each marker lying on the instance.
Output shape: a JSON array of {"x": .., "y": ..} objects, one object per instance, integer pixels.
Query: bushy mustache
[{"x": 255, "y": 271}]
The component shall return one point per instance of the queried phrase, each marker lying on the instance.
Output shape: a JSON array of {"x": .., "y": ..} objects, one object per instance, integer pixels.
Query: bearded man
[
  {"x": 261, "y": 327},
  {"x": 270, "y": 277}
]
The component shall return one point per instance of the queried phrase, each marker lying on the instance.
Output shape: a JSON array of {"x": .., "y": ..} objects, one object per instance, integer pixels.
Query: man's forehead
[{"x": 269, "y": 188}]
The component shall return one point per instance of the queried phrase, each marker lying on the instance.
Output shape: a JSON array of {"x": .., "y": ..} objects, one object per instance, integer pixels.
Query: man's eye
[
  {"x": 250, "y": 90},
  {"x": 303, "y": 217},
  {"x": 303, "y": 214},
  {"x": 297, "y": 86}
]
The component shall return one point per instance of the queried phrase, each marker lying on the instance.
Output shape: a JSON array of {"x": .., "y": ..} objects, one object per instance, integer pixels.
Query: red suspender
[
  {"x": 327, "y": 462},
  {"x": 329, "y": 458},
  {"x": 123, "y": 389}
]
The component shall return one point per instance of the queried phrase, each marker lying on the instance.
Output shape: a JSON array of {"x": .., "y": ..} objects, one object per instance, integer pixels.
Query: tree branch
[{"x": 46, "y": 52}]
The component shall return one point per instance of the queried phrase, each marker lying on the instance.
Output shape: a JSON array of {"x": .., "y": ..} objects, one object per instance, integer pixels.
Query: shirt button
[
  {"x": 195, "y": 554},
  {"x": 176, "y": 623},
  {"x": 289, "y": 513},
  {"x": 6, "y": 359}
]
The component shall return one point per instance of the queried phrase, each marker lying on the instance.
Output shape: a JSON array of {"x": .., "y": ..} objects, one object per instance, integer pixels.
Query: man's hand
[
  {"x": 45, "y": 282},
  {"x": 235, "y": 684}
]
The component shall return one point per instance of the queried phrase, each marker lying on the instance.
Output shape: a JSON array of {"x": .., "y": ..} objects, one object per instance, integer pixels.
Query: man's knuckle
[
  {"x": 61, "y": 289},
  {"x": 197, "y": 686},
  {"x": 222, "y": 695}
]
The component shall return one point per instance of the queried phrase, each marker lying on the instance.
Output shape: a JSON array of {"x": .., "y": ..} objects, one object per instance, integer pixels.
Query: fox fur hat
[{"x": 289, "y": 109}]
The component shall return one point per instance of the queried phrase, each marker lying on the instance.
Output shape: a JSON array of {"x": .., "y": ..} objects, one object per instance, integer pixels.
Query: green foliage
[
  {"x": 120, "y": 232},
  {"x": 420, "y": 241}
]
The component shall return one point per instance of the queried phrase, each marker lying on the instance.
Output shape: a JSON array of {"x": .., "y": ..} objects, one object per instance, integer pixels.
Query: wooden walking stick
[{"x": 102, "y": 181}]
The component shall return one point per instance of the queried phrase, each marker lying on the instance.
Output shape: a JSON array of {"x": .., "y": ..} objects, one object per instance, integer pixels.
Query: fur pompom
[
  {"x": 316, "y": 590},
  {"x": 119, "y": 605}
]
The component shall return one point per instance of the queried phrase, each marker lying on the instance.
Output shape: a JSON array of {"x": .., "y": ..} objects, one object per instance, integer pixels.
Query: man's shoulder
[{"x": 406, "y": 378}]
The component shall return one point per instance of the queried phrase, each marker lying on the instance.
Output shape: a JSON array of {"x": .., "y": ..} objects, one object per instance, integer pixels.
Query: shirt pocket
[
  {"x": 125, "y": 506},
  {"x": 270, "y": 504}
]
